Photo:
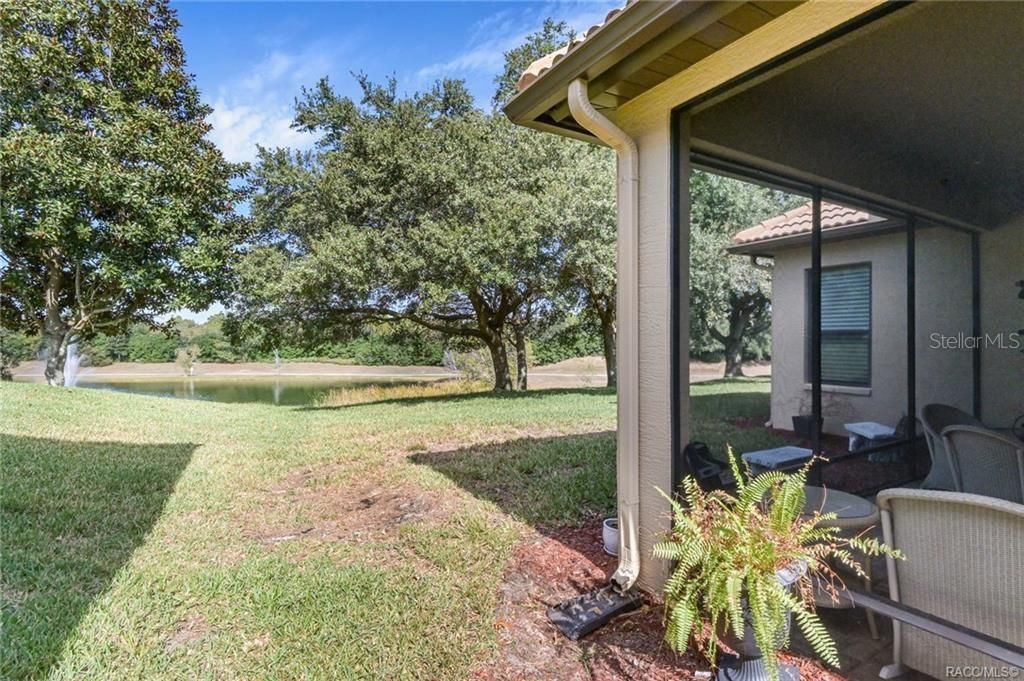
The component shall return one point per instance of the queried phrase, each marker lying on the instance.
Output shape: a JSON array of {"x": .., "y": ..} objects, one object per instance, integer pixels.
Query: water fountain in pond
[
  {"x": 71, "y": 363},
  {"x": 277, "y": 381}
]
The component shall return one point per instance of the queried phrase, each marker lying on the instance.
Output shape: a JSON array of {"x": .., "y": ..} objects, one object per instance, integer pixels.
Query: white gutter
[{"x": 627, "y": 336}]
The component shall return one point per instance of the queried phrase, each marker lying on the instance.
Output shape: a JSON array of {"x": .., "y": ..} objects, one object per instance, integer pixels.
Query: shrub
[
  {"x": 147, "y": 345},
  {"x": 186, "y": 358},
  {"x": 577, "y": 336},
  {"x": 15, "y": 347},
  {"x": 214, "y": 347},
  {"x": 103, "y": 349}
]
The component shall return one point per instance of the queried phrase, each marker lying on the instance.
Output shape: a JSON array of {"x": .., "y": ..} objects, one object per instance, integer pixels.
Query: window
[{"x": 845, "y": 325}]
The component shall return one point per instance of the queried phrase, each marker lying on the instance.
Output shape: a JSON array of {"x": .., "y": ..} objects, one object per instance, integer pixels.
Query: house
[
  {"x": 863, "y": 281},
  {"x": 912, "y": 112}
]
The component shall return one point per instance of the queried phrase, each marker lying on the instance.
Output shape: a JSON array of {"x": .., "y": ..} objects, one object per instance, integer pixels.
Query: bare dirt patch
[
  {"x": 309, "y": 505},
  {"x": 187, "y": 633},
  {"x": 304, "y": 478}
]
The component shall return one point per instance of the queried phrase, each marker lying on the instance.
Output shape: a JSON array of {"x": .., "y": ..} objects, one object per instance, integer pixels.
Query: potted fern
[{"x": 746, "y": 563}]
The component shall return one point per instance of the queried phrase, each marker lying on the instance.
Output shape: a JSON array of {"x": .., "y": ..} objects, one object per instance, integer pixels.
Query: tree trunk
[
  {"x": 740, "y": 317},
  {"x": 55, "y": 331},
  {"x": 499, "y": 360},
  {"x": 522, "y": 368},
  {"x": 733, "y": 356},
  {"x": 608, "y": 339}
]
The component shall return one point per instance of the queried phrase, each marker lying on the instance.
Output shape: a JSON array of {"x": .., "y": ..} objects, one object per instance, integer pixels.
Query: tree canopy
[
  {"x": 730, "y": 296},
  {"x": 414, "y": 208},
  {"x": 115, "y": 206},
  {"x": 551, "y": 36}
]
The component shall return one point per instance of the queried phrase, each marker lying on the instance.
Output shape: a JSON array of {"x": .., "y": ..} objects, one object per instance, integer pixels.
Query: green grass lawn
[{"x": 148, "y": 537}]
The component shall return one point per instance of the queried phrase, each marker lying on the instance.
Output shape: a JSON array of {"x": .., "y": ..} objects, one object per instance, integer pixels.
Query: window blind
[{"x": 845, "y": 325}]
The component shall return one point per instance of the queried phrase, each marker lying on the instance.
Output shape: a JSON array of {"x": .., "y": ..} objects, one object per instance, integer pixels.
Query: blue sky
[{"x": 252, "y": 58}]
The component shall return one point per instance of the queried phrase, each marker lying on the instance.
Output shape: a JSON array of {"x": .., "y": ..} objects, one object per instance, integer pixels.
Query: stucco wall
[
  {"x": 1002, "y": 312},
  {"x": 943, "y": 306}
]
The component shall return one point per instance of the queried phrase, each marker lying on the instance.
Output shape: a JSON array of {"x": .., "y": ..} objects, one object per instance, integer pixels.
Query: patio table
[
  {"x": 776, "y": 459},
  {"x": 854, "y": 514},
  {"x": 866, "y": 432}
]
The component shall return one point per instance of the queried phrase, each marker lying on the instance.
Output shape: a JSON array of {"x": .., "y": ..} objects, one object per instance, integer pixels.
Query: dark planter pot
[
  {"x": 804, "y": 426},
  {"x": 748, "y": 663}
]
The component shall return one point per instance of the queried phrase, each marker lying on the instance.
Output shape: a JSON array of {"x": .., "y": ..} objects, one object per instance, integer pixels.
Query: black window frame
[{"x": 825, "y": 334}]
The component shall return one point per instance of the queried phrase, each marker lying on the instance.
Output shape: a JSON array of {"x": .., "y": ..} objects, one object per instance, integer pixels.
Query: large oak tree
[
  {"x": 115, "y": 208},
  {"x": 418, "y": 208}
]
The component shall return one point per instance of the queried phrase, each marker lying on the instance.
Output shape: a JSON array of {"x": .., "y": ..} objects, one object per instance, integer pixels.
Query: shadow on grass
[
  {"x": 71, "y": 514},
  {"x": 730, "y": 418},
  {"x": 564, "y": 486},
  {"x": 566, "y": 479},
  {"x": 542, "y": 481},
  {"x": 534, "y": 393}
]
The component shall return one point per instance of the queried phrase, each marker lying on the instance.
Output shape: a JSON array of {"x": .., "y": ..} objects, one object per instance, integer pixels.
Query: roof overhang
[
  {"x": 769, "y": 247},
  {"x": 885, "y": 115},
  {"x": 638, "y": 48}
]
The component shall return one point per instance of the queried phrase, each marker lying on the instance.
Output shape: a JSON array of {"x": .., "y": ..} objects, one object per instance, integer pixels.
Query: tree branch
[
  {"x": 386, "y": 315},
  {"x": 716, "y": 334}
]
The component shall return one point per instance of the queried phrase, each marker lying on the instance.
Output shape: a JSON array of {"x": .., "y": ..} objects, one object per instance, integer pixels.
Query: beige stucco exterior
[
  {"x": 647, "y": 119},
  {"x": 1002, "y": 312},
  {"x": 655, "y": 340},
  {"x": 944, "y": 326}
]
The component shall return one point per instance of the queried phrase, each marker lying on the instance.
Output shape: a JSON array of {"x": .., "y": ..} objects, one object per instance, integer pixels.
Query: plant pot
[
  {"x": 803, "y": 426},
  {"x": 748, "y": 663},
  {"x": 610, "y": 534}
]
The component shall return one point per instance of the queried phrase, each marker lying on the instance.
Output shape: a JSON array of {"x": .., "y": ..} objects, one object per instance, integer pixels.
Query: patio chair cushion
[{"x": 963, "y": 557}]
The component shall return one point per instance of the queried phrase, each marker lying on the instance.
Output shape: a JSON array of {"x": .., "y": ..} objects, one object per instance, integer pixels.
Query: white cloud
[
  {"x": 257, "y": 107},
  {"x": 238, "y": 129}
]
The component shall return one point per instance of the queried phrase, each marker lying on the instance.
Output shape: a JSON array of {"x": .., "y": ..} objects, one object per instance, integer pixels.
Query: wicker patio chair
[
  {"x": 963, "y": 557},
  {"x": 985, "y": 462},
  {"x": 936, "y": 418}
]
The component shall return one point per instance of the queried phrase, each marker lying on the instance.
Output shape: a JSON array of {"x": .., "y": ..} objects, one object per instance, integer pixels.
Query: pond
[{"x": 283, "y": 391}]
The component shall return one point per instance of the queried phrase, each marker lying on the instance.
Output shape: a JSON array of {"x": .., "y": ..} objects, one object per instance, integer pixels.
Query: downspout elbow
[
  {"x": 627, "y": 338},
  {"x": 597, "y": 123}
]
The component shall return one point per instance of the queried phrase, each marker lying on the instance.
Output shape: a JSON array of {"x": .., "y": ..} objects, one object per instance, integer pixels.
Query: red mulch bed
[{"x": 556, "y": 564}]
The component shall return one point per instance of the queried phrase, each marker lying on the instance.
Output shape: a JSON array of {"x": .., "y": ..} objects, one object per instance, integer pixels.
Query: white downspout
[{"x": 627, "y": 334}]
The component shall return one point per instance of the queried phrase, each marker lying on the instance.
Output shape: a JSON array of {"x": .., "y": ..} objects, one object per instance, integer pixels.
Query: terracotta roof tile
[
  {"x": 798, "y": 221},
  {"x": 538, "y": 67}
]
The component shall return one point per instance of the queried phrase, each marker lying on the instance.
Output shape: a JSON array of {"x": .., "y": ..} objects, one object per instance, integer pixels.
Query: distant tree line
[{"x": 377, "y": 345}]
